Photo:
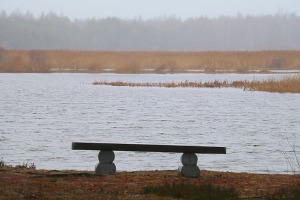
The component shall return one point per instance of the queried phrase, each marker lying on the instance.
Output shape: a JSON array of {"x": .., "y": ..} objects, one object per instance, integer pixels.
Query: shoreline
[{"x": 15, "y": 182}]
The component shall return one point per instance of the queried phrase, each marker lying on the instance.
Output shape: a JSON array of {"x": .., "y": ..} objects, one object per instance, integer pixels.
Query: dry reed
[
  {"x": 290, "y": 84},
  {"x": 146, "y": 62}
]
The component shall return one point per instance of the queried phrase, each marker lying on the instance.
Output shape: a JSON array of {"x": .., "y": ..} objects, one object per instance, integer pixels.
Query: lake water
[{"x": 42, "y": 114}]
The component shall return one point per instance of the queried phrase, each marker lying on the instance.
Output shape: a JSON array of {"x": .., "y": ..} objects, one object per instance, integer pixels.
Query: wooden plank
[{"x": 148, "y": 148}]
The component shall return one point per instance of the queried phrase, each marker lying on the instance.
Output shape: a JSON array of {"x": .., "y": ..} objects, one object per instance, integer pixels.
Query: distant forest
[{"x": 239, "y": 33}]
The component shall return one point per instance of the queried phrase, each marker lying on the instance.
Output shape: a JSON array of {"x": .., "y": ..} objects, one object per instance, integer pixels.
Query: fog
[
  {"x": 247, "y": 33},
  {"x": 149, "y": 9}
]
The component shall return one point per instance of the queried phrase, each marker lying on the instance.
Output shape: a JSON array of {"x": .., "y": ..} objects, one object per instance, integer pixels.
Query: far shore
[{"x": 136, "y": 62}]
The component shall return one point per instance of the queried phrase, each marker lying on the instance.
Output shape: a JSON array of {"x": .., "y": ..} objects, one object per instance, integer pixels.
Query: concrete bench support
[
  {"x": 106, "y": 165},
  {"x": 189, "y": 168},
  {"x": 189, "y": 159}
]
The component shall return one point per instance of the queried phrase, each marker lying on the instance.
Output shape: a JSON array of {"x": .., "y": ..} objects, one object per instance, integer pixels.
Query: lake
[{"x": 42, "y": 114}]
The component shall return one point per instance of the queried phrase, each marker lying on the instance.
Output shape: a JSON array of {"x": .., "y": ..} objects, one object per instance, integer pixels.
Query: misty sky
[{"x": 149, "y": 9}]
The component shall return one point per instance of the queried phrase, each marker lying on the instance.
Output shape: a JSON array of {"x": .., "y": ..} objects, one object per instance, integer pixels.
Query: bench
[{"x": 189, "y": 158}]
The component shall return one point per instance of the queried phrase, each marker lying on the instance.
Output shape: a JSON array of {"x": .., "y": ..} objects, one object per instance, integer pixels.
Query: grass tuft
[
  {"x": 23, "y": 166},
  {"x": 3, "y": 164},
  {"x": 26, "y": 166}
]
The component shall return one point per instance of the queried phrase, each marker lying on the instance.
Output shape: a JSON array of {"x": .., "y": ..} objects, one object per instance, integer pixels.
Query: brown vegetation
[
  {"x": 28, "y": 183},
  {"x": 290, "y": 84},
  {"x": 146, "y": 62}
]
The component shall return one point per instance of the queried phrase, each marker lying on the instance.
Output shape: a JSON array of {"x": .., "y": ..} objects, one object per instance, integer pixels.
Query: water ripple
[{"x": 38, "y": 122}]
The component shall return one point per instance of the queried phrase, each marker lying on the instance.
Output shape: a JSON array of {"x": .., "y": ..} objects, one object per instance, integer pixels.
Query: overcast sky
[{"x": 148, "y": 9}]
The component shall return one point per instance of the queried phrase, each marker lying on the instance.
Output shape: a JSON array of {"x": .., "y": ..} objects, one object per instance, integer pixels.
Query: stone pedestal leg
[
  {"x": 189, "y": 168},
  {"x": 106, "y": 165}
]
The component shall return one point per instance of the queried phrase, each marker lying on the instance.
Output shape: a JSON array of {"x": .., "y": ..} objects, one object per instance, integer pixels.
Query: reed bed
[
  {"x": 186, "y": 84},
  {"x": 146, "y": 62},
  {"x": 290, "y": 84}
]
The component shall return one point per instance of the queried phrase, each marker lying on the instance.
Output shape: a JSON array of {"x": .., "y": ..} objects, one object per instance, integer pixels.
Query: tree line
[{"x": 224, "y": 33}]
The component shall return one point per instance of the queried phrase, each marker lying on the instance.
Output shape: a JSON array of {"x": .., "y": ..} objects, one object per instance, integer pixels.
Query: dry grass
[
  {"x": 146, "y": 62},
  {"x": 290, "y": 84},
  {"x": 185, "y": 84},
  {"x": 26, "y": 183}
]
